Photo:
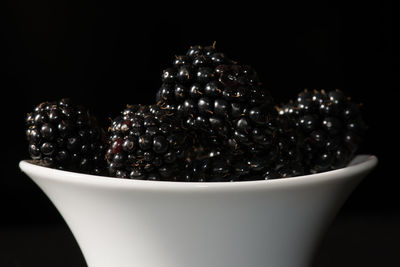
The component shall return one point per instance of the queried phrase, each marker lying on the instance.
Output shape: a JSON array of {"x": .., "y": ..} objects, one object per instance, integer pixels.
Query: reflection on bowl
[{"x": 276, "y": 223}]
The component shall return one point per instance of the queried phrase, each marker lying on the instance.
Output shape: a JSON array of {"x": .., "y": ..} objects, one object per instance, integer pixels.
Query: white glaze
[{"x": 273, "y": 223}]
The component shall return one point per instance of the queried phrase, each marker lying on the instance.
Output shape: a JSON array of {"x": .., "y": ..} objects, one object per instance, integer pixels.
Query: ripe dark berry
[
  {"x": 147, "y": 142},
  {"x": 216, "y": 95},
  {"x": 331, "y": 128},
  {"x": 66, "y": 136}
]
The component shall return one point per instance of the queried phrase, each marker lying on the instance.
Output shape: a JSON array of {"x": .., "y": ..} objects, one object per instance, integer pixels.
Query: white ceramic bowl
[{"x": 272, "y": 223}]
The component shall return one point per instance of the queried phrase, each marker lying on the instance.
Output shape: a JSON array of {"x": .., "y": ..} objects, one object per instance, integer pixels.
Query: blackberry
[
  {"x": 228, "y": 167},
  {"x": 330, "y": 126},
  {"x": 216, "y": 167},
  {"x": 66, "y": 136},
  {"x": 222, "y": 100},
  {"x": 147, "y": 142}
]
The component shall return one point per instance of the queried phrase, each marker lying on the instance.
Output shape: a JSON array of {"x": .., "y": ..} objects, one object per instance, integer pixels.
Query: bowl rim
[{"x": 361, "y": 163}]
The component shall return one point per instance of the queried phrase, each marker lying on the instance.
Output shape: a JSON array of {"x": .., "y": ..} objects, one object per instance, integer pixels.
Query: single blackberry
[
  {"x": 212, "y": 167},
  {"x": 280, "y": 161},
  {"x": 66, "y": 136},
  {"x": 147, "y": 142},
  {"x": 219, "y": 98},
  {"x": 216, "y": 167},
  {"x": 329, "y": 125}
]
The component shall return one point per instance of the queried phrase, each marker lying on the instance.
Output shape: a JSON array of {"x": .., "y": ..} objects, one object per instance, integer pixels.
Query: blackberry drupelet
[
  {"x": 219, "y": 98},
  {"x": 330, "y": 128},
  {"x": 148, "y": 143},
  {"x": 66, "y": 136}
]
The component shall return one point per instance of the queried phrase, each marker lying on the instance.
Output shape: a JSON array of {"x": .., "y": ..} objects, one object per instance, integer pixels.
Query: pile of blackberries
[{"x": 213, "y": 121}]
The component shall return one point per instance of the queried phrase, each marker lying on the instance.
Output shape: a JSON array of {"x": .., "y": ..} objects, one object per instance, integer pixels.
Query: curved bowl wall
[{"x": 271, "y": 223}]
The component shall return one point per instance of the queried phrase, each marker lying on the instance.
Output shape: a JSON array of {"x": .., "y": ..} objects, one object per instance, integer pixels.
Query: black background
[{"x": 109, "y": 54}]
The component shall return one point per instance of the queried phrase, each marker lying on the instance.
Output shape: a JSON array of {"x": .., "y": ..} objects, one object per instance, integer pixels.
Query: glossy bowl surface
[{"x": 273, "y": 223}]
